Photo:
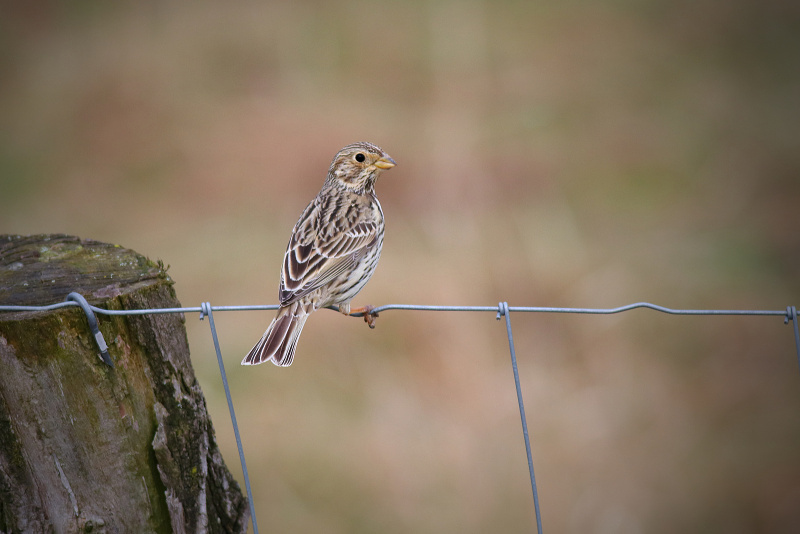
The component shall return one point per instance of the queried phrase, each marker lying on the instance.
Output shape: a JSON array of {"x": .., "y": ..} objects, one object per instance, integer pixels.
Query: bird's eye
[{"x": 360, "y": 157}]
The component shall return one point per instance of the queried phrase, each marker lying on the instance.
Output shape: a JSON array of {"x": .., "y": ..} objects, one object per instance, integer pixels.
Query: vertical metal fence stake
[
  {"x": 503, "y": 310},
  {"x": 791, "y": 315},
  {"x": 206, "y": 310}
]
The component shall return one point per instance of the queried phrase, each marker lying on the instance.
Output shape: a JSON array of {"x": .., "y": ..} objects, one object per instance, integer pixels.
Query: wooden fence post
[{"x": 85, "y": 447}]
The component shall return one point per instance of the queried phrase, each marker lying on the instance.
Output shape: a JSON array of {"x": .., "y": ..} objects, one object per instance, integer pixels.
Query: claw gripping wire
[{"x": 98, "y": 336}]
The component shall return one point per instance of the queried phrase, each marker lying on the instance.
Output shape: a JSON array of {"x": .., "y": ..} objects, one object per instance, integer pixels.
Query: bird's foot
[{"x": 369, "y": 315}]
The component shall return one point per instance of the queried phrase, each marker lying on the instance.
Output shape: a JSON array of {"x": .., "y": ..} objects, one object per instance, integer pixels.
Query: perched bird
[{"x": 333, "y": 251}]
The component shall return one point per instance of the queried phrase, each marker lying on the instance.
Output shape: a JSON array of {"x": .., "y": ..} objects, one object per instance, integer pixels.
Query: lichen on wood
[{"x": 89, "y": 448}]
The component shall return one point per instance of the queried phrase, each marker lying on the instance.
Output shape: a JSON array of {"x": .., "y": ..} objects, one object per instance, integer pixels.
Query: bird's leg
[{"x": 369, "y": 316}]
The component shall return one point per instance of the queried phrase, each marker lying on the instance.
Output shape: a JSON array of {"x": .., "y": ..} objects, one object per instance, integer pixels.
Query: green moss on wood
[{"x": 87, "y": 412}]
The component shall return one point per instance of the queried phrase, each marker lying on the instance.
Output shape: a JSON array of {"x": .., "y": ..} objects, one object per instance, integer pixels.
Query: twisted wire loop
[
  {"x": 207, "y": 311},
  {"x": 93, "y": 326},
  {"x": 503, "y": 311}
]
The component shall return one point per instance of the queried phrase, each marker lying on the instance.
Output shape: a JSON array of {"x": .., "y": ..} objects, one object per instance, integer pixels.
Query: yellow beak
[{"x": 385, "y": 163}]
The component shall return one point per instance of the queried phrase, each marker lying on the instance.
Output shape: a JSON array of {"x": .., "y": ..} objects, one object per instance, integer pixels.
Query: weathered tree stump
[{"x": 85, "y": 447}]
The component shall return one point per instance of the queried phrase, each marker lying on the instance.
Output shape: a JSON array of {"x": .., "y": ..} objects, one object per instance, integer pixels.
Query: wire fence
[{"x": 502, "y": 310}]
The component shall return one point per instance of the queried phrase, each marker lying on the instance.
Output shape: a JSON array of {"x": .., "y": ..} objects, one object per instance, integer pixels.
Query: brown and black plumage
[{"x": 333, "y": 251}]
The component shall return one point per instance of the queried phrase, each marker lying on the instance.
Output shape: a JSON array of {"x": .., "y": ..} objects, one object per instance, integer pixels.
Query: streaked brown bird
[{"x": 333, "y": 251}]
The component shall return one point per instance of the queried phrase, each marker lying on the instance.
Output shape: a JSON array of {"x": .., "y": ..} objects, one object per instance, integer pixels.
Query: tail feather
[{"x": 280, "y": 340}]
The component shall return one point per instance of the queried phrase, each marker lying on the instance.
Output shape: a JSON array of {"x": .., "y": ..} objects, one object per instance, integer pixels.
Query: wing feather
[{"x": 317, "y": 255}]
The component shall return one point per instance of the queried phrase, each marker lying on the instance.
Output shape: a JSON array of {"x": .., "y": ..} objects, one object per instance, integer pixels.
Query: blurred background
[{"x": 587, "y": 154}]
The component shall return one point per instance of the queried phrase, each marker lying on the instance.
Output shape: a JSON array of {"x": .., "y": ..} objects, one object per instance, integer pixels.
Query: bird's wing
[{"x": 324, "y": 244}]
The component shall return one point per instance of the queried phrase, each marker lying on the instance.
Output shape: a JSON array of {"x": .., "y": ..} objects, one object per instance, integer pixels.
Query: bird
[{"x": 332, "y": 253}]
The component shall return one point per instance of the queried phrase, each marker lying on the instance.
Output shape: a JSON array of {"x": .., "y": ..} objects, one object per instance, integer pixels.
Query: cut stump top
[{"x": 39, "y": 270}]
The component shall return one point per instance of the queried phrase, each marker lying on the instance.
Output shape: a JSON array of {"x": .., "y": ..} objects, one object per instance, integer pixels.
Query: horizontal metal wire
[
  {"x": 600, "y": 311},
  {"x": 388, "y": 307}
]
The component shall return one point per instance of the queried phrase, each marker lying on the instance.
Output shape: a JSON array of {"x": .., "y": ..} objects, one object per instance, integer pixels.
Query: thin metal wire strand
[
  {"x": 206, "y": 311},
  {"x": 597, "y": 311},
  {"x": 788, "y": 314},
  {"x": 791, "y": 315},
  {"x": 502, "y": 309},
  {"x": 387, "y": 307}
]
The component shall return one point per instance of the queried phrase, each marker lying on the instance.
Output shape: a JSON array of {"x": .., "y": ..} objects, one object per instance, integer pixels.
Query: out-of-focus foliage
[{"x": 564, "y": 154}]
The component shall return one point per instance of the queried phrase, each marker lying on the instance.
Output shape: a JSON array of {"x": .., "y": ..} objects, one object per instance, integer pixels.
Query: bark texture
[{"x": 89, "y": 448}]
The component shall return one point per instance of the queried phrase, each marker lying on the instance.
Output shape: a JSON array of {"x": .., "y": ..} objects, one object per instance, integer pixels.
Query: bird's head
[{"x": 357, "y": 166}]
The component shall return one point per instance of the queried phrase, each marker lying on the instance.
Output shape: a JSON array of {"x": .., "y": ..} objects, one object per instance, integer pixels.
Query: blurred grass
[{"x": 570, "y": 154}]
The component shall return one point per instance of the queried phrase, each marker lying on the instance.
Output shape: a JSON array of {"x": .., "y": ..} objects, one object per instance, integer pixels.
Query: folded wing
[{"x": 315, "y": 258}]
